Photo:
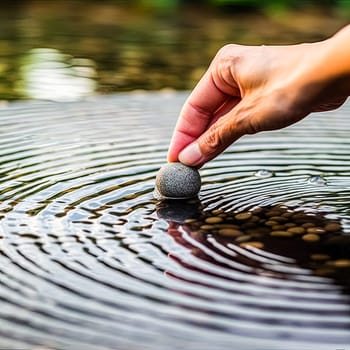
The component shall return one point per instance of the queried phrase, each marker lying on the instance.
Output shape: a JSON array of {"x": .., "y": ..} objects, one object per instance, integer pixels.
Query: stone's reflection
[
  {"x": 281, "y": 241},
  {"x": 49, "y": 74},
  {"x": 178, "y": 211}
]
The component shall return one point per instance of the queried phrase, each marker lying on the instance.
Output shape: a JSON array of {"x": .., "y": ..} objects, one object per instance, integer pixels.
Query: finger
[
  {"x": 184, "y": 139},
  {"x": 196, "y": 114},
  {"x": 213, "y": 141}
]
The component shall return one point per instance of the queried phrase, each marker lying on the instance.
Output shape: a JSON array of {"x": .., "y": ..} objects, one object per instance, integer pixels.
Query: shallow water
[{"x": 89, "y": 260}]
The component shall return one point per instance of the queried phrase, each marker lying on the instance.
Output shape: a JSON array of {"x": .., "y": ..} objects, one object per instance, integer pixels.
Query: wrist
[
  {"x": 323, "y": 72},
  {"x": 333, "y": 61}
]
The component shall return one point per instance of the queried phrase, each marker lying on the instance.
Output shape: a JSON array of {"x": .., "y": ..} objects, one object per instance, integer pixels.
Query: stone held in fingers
[{"x": 177, "y": 181}]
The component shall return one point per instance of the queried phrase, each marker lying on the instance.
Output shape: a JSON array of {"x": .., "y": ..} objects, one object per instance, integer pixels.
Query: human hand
[{"x": 248, "y": 89}]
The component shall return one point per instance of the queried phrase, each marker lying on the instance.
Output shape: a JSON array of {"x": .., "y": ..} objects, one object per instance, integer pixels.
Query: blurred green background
[{"x": 66, "y": 50}]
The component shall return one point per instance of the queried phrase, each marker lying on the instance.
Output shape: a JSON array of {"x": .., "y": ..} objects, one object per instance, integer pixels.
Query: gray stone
[{"x": 177, "y": 181}]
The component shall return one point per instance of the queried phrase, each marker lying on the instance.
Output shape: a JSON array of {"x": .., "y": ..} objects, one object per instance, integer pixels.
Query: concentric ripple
[{"x": 90, "y": 260}]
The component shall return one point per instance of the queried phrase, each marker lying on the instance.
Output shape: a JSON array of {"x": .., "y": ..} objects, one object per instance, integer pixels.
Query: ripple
[{"x": 89, "y": 259}]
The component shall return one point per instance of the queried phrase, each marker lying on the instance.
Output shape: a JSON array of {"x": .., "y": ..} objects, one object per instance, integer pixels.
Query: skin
[{"x": 248, "y": 89}]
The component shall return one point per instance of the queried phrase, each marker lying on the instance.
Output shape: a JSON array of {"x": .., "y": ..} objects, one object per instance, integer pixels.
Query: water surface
[{"x": 90, "y": 260}]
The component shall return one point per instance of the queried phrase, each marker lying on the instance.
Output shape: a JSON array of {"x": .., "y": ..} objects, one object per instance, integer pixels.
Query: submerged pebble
[
  {"x": 319, "y": 257},
  {"x": 311, "y": 237},
  {"x": 343, "y": 263},
  {"x": 296, "y": 230},
  {"x": 252, "y": 244},
  {"x": 281, "y": 234},
  {"x": 213, "y": 220},
  {"x": 230, "y": 232},
  {"x": 243, "y": 216},
  {"x": 279, "y": 227},
  {"x": 177, "y": 181}
]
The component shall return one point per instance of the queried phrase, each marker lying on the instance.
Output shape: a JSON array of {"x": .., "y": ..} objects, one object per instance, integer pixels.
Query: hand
[{"x": 248, "y": 89}]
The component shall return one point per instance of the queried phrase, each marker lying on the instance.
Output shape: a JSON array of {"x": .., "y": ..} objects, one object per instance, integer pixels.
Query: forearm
[
  {"x": 337, "y": 57},
  {"x": 329, "y": 66}
]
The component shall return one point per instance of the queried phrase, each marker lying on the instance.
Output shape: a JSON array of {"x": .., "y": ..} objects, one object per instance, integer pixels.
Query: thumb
[{"x": 213, "y": 141}]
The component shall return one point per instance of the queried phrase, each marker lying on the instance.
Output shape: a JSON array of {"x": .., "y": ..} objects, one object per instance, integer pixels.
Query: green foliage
[
  {"x": 251, "y": 4},
  {"x": 159, "y": 4}
]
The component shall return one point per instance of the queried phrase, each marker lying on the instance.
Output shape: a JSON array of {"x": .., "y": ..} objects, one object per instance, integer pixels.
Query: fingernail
[{"x": 191, "y": 155}]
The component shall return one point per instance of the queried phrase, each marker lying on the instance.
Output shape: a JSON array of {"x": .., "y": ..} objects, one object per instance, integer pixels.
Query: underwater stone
[{"x": 177, "y": 181}]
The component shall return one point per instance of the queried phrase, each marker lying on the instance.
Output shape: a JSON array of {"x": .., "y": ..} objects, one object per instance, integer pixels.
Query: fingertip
[
  {"x": 172, "y": 158},
  {"x": 191, "y": 155}
]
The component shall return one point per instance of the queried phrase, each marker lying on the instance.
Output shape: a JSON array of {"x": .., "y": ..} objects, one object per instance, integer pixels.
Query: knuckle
[
  {"x": 227, "y": 62},
  {"x": 227, "y": 54},
  {"x": 228, "y": 49}
]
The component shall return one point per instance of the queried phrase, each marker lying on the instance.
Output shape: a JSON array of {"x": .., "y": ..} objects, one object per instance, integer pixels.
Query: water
[{"x": 90, "y": 260}]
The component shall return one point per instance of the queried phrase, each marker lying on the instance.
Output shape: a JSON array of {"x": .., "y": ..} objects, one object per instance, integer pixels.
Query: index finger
[{"x": 196, "y": 114}]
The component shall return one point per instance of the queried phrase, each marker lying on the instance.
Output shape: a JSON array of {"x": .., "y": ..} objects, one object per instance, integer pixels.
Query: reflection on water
[
  {"x": 90, "y": 260},
  {"x": 112, "y": 46},
  {"x": 49, "y": 74}
]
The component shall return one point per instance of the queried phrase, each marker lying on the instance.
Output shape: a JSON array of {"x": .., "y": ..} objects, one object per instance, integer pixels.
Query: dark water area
[
  {"x": 66, "y": 50},
  {"x": 90, "y": 260}
]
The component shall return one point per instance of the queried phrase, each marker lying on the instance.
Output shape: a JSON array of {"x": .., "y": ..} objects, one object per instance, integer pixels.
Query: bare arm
[{"x": 248, "y": 89}]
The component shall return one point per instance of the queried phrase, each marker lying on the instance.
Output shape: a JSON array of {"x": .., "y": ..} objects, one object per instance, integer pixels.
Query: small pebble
[
  {"x": 319, "y": 257},
  {"x": 272, "y": 213},
  {"x": 213, "y": 220},
  {"x": 343, "y": 263},
  {"x": 281, "y": 234},
  {"x": 308, "y": 225},
  {"x": 254, "y": 218},
  {"x": 296, "y": 230},
  {"x": 217, "y": 212},
  {"x": 271, "y": 223},
  {"x": 257, "y": 210},
  {"x": 332, "y": 227},
  {"x": 229, "y": 232},
  {"x": 277, "y": 228},
  {"x": 248, "y": 225},
  {"x": 279, "y": 219},
  {"x": 207, "y": 227},
  {"x": 243, "y": 216},
  {"x": 300, "y": 216},
  {"x": 244, "y": 238},
  {"x": 254, "y": 244},
  {"x": 311, "y": 237},
  {"x": 177, "y": 181},
  {"x": 324, "y": 271},
  {"x": 317, "y": 230}
]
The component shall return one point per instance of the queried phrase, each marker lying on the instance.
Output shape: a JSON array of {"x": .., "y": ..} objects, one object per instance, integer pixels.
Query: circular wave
[{"x": 89, "y": 259}]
